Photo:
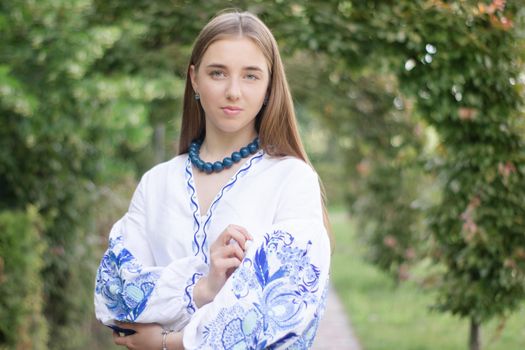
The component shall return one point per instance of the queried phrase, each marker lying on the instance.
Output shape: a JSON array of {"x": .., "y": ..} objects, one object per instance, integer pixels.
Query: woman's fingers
[
  {"x": 229, "y": 251},
  {"x": 230, "y": 263},
  {"x": 232, "y": 232},
  {"x": 222, "y": 257},
  {"x": 243, "y": 230},
  {"x": 118, "y": 340},
  {"x": 233, "y": 250},
  {"x": 235, "y": 232}
]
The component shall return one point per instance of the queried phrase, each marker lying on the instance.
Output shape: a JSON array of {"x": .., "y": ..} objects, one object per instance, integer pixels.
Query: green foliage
[
  {"x": 461, "y": 63},
  {"x": 22, "y": 325},
  {"x": 378, "y": 145},
  {"x": 383, "y": 157},
  {"x": 67, "y": 124},
  {"x": 471, "y": 99}
]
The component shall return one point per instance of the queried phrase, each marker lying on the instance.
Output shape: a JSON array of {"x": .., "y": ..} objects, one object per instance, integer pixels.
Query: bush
[{"x": 22, "y": 325}]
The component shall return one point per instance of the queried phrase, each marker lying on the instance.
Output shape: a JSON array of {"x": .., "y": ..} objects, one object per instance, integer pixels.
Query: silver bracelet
[{"x": 165, "y": 333}]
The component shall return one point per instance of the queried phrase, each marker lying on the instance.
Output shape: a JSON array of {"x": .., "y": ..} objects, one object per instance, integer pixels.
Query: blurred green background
[{"x": 411, "y": 111}]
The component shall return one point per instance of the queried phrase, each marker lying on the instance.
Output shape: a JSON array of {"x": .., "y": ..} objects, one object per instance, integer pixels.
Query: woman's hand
[
  {"x": 226, "y": 254},
  {"x": 148, "y": 337}
]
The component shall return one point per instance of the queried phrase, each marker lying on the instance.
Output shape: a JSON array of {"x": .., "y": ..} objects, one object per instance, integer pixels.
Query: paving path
[{"x": 335, "y": 331}]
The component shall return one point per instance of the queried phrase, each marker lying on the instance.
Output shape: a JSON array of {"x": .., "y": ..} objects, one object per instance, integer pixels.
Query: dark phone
[{"x": 119, "y": 330}]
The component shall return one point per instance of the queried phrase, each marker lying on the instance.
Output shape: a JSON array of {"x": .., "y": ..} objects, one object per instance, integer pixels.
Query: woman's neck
[{"x": 216, "y": 147}]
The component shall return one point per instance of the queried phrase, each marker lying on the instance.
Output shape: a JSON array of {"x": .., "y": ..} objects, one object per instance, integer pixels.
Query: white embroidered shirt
[{"x": 160, "y": 248}]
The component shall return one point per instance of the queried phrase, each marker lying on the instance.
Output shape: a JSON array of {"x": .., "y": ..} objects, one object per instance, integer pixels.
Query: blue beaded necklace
[{"x": 226, "y": 163}]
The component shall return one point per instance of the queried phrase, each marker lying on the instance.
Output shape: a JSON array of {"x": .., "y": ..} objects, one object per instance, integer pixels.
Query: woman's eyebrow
[
  {"x": 216, "y": 65},
  {"x": 256, "y": 68},
  {"x": 222, "y": 66}
]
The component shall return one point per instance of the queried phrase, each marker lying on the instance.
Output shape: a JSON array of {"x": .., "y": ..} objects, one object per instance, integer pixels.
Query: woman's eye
[
  {"x": 251, "y": 77},
  {"x": 217, "y": 74}
]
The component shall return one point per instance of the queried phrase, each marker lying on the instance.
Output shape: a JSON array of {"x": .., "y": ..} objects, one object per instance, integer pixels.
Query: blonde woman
[{"x": 225, "y": 246}]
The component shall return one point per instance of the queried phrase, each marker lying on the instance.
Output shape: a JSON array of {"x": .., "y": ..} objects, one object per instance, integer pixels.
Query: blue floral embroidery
[
  {"x": 279, "y": 292},
  {"x": 306, "y": 340},
  {"x": 235, "y": 328},
  {"x": 125, "y": 298},
  {"x": 188, "y": 291}
]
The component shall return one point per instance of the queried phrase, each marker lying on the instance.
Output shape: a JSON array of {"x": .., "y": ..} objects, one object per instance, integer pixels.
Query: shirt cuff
[{"x": 191, "y": 307}]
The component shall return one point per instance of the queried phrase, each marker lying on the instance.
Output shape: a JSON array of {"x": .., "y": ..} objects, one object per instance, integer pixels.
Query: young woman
[{"x": 225, "y": 245}]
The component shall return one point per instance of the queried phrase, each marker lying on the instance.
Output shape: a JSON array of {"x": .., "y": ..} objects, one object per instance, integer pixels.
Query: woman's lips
[{"x": 231, "y": 110}]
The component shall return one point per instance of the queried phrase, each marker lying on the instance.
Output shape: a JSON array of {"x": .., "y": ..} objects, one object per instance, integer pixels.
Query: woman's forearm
[
  {"x": 174, "y": 341},
  {"x": 201, "y": 292}
]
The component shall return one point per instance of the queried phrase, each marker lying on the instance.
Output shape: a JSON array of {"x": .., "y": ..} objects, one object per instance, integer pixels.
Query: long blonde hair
[{"x": 276, "y": 122}]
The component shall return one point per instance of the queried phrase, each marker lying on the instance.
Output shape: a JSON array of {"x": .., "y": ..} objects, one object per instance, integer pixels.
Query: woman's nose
[{"x": 233, "y": 91}]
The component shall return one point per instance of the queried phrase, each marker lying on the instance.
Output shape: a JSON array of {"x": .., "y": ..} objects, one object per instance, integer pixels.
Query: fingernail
[{"x": 247, "y": 244}]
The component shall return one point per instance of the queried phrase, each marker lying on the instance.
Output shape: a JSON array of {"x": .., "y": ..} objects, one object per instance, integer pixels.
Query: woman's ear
[{"x": 193, "y": 77}]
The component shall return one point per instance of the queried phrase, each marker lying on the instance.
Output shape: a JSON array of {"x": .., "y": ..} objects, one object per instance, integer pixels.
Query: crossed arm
[
  {"x": 274, "y": 299},
  {"x": 225, "y": 258}
]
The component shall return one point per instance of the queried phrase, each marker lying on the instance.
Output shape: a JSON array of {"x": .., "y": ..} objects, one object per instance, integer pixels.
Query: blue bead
[
  {"x": 200, "y": 164},
  {"x": 217, "y": 166},
  {"x": 227, "y": 162},
  {"x": 252, "y": 148},
  {"x": 236, "y": 156},
  {"x": 208, "y": 167},
  {"x": 245, "y": 152}
]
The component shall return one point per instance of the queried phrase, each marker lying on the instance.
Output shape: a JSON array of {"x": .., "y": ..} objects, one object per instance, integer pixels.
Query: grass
[{"x": 387, "y": 317}]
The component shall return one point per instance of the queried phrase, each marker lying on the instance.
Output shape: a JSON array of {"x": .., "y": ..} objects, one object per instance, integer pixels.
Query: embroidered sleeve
[
  {"x": 276, "y": 298},
  {"x": 131, "y": 287},
  {"x": 273, "y": 300}
]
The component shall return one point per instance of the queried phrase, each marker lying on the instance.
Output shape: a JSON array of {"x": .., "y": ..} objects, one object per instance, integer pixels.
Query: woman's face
[{"x": 232, "y": 81}]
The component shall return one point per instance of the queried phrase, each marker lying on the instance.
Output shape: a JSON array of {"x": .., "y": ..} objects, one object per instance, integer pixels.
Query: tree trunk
[
  {"x": 158, "y": 142},
  {"x": 474, "y": 342}
]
